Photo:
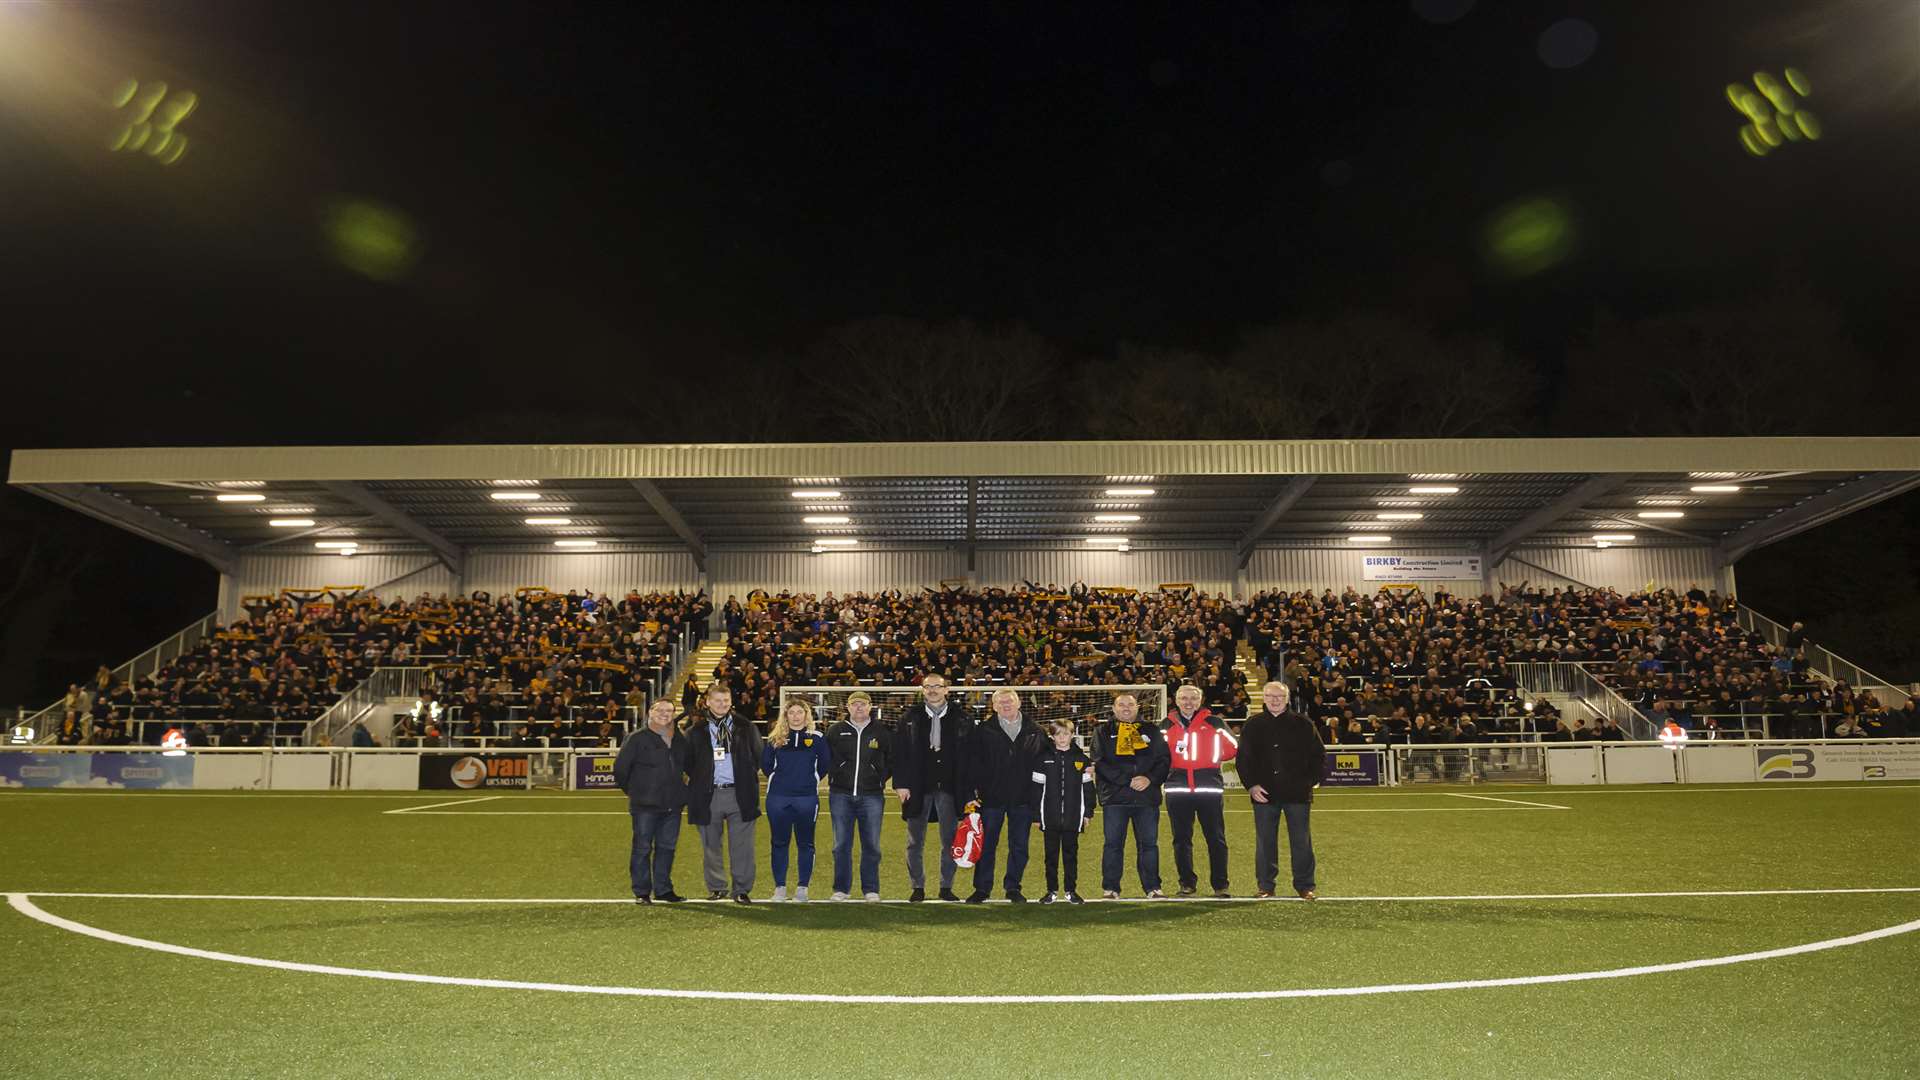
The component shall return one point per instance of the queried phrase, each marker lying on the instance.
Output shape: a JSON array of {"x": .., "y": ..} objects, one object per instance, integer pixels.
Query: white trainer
[
  {"x": 800, "y": 895},
  {"x": 872, "y": 896},
  {"x": 779, "y": 894},
  {"x": 839, "y": 896}
]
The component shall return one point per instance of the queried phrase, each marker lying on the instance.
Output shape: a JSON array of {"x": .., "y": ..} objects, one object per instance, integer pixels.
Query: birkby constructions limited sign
[{"x": 1421, "y": 568}]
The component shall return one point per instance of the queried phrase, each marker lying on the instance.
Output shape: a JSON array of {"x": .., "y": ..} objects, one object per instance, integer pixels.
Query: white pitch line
[
  {"x": 1491, "y": 798},
  {"x": 25, "y": 906},
  {"x": 930, "y": 905},
  {"x": 454, "y": 802}
]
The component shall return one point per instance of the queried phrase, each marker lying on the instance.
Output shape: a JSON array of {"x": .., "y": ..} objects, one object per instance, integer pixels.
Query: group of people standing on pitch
[{"x": 943, "y": 763}]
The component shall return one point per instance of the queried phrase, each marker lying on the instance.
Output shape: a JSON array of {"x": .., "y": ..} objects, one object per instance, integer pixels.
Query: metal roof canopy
[{"x": 1232, "y": 495}]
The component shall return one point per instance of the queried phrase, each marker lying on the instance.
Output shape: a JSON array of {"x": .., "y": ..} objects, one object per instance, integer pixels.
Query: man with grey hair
[
  {"x": 998, "y": 772},
  {"x": 1281, "y": 761},
  {"x": 928, "y": 747}
]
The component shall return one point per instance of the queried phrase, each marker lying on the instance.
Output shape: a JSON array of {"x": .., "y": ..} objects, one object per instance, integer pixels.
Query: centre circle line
[{"x": 22, "y": 903}]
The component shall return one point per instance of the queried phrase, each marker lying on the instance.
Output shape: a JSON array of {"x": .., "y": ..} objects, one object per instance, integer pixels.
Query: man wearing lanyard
[{"x": 724, "y": 790}]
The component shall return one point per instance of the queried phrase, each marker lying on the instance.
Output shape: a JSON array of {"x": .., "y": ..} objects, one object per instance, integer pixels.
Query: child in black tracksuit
[{"x": 1063, "y": 783}]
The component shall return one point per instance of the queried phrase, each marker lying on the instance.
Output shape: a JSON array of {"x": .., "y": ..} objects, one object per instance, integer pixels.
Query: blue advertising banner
[
  {"x": 142, "y": 771},
  {"x": 1346, "y": 768},
  {"x": 593, "y": 772},
  {"x": 19, "y": 769}
]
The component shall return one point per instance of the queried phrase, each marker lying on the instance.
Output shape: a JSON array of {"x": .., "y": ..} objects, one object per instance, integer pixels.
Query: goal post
[{"x": 1086, "y": 704}]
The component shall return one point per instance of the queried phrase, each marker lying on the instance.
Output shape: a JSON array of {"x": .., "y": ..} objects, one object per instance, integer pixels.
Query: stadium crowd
[
  {"x": 571, "y": 663},
  {"x": 1396, "y": 665},
  {"x": 1029, "y": 635}
]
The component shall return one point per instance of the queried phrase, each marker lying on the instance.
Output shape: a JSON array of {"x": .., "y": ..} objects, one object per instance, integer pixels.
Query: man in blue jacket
[{"x": 652, "y": 770}]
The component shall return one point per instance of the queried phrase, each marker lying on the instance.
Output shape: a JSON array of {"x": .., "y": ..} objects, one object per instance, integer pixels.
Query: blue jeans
[
  {"x": 650, "y": 865},
  {"x": 1145, "y": 820},
  {"x": 1017, "y": 823},
  {"x": 1266, "y": 844},
  {"x": 790, "y": 820},
  {"x": 866, "y": 811}
]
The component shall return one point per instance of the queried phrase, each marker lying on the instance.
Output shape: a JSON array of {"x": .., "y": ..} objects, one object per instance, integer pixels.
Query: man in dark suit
[
  {"x": 928, "y": 745},
  {"x": 724, "y": 792}
]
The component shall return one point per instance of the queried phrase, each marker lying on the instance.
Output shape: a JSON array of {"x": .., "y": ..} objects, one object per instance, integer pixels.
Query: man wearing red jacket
[{"x": 1198, "y": 743}]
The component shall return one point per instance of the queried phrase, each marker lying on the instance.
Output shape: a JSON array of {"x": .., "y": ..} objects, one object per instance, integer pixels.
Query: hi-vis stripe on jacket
[{"x": 1198, "y": 747}]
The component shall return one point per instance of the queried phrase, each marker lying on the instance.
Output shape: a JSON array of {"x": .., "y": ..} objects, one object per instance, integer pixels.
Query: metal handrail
[
  {"x": 181, "y": 642},
  {"x": 339, "y": 718},
  {"x": 1576, "y": 682},
  {"x": 1824, "y": 661}
]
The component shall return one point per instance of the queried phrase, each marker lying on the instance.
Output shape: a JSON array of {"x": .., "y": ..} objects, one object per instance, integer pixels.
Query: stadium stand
[
  {"x": 1396, "y": 665},
  {"x": 562, "y": 664},
  {"x": 1029, "y": 635}
]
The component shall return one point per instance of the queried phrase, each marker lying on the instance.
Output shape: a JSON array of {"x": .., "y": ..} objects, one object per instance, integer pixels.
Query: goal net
[{"x": 1085, "y": 706}]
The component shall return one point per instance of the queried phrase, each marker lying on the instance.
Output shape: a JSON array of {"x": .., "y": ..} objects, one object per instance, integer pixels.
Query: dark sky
[
  {"x": 625, "y": 194},
  {"x": 622, "y": 188}
]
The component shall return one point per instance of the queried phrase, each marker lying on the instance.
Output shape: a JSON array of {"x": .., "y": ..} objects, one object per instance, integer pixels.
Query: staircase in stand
[{"x": 705, "y": 659}]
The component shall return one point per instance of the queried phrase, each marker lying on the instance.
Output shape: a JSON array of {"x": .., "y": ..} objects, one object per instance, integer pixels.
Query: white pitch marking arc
[
  {"x": 452, "y": 802},
  {"x": 1515, "y": 802},
  {"x": 22, "y": 903}
]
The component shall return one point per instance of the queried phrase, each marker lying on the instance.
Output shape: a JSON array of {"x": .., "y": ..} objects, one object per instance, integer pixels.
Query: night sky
[{"x": 601, "y": 194}]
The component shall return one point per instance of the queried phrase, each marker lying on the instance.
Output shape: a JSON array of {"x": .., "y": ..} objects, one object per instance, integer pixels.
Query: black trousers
[
  {"x": 1063, "y": 845},
  {"x": 1181, "y": 812}
]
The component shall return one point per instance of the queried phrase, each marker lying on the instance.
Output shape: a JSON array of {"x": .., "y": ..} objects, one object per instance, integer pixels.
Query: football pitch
[{"x": 1485, "y": 931}]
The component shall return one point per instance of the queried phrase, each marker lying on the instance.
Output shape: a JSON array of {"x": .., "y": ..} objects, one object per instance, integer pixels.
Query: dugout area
[{"x": 1757, "y": 917}]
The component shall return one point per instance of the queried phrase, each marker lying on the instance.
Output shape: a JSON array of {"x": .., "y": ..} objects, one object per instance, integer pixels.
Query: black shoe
[
  {"x": 716, "y": 895},
  {"x": 917, "y": 896},
  {"x": 1050, "y": 898},
  {"x": 1186, "y": 890},
  {"x": 977, "y": 898},
  {"x": 1222, "y": 894},
  {"x": 743, "y": 898},
  {"x": 1075, "y": 898},
  {"x": 1016, "y": 897},
  {"x": 672, "y": 898},
  {"x": 949, "y": 896},
  {"x": 643, "y": 898}
]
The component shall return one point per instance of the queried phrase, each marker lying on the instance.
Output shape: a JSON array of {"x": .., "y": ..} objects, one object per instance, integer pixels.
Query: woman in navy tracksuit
[{"x": 795, "y": 759}]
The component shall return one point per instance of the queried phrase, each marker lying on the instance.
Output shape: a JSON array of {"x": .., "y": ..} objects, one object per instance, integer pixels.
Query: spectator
[
  {"x": 1131, "y": 762},
  {"x": 1064, "y": 774},
  {"x": 929, "y": 746},
  {"x": 862, "y": 764},
  {"x": 653, "y": 769},
  {"x": 1199, "y": 745},
  {"x": 724, "y": 793},
  {"x": 997, "y": 772},
  {"x": 1281, "y": 761},
  {"x": 794, "y": 758}
]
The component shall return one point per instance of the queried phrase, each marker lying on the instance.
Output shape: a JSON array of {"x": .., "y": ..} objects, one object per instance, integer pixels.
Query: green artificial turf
[{"x": 80, "y": 1006}]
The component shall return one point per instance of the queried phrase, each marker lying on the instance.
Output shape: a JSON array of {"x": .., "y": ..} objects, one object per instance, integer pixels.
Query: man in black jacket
[
  {"x": 928, "y": 745},
  {"x": 997, "y": 771},
  {"x": 856, "y": 794},
  {"x": 1281, "y": 761},
  {"x": 723, "y": 792},
  {"x": 1131, "y": 761},
  {"x": 652, "y": 770}
]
